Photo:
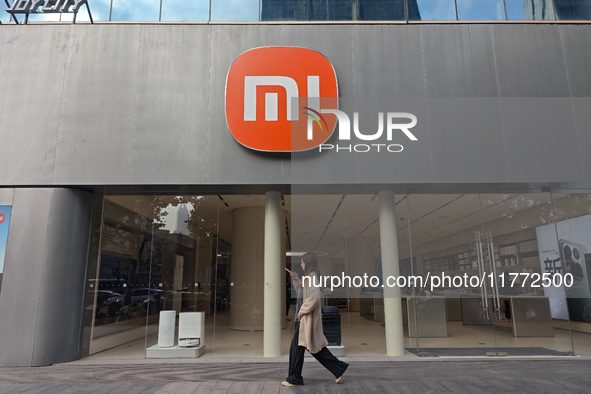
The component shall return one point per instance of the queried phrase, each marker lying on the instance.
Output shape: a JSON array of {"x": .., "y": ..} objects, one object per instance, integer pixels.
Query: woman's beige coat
[{"x": 311, "y": 333}]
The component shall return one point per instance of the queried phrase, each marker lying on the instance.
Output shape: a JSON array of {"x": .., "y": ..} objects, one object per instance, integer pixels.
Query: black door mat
[{"x": 483, "y": 351}]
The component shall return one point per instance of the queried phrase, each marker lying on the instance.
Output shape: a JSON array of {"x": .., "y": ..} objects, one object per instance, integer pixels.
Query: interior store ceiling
[{"x": 324, "y": 223}]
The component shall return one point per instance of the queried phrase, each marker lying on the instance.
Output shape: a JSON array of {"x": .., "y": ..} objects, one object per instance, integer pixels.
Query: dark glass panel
[
  {"x": 573, "y": 9},
  {"x": 284, "y": 10}
]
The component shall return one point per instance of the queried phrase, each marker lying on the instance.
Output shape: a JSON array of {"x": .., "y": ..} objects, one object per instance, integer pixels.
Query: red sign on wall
[{"x": 260, "y": 86}]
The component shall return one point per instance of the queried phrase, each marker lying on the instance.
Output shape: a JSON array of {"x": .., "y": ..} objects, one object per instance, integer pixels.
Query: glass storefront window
[
  {"x": 204, "y": 254},
  {"x": 235, "y": 10},
  {"x": 343, "y": 231},
  {"x": 183, "y": 11},
  {"x": 133, "y": 10},
  {"x": 573, "y": 249},
  {"x": 527, "y": 299},
  {"x": 489, "y": 257},
  {"x": 442, "y": 242},
  {"x": 126, "y": 295},
  {"x": 482, "y": 10},
  {"x": 184, "y": 251},
  {"x": 185, "y": 256}
]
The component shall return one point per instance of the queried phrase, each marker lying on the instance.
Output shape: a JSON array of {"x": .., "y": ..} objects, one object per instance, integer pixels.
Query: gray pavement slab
[{"x": 423, "y": 376}]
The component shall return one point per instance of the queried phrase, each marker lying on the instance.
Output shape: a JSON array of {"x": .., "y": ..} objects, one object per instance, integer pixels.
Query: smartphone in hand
[{"x": 293, "y": 274}]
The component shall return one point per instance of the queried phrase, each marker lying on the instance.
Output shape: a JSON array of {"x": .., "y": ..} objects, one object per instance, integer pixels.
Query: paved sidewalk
[{"x": 551, "y": 375}]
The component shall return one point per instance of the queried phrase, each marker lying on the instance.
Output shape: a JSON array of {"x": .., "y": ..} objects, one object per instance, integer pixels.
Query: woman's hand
[{"x": 300, "y": 315}]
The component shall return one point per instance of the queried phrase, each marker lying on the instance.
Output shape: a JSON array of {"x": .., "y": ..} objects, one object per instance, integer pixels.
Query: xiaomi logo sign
[{"x": 273, "y": 97}]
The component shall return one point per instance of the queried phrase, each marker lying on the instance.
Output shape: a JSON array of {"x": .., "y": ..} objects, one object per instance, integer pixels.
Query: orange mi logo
[{"x": 273, "y": 97}]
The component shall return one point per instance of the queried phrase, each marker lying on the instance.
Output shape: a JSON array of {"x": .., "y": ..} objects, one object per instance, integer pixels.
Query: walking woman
[{"x": 308, "y": 327}]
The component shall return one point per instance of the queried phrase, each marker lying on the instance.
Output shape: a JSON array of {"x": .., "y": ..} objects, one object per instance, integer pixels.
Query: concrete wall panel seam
[
  {"x": 570, "y": 92},
  {"x": 134, "y": 124},
  {"x": 59, "y": 118},
  {"x": 208, "y": 128},
  {"x": 356, "y": 163},
  {"x": 286, "y": 169},
  {"x": 424, "y": 72},
  {"x": 496, "y": 68}
]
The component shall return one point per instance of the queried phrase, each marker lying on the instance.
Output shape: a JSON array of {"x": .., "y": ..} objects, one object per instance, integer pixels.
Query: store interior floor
[{"x": 361, "y": 337}]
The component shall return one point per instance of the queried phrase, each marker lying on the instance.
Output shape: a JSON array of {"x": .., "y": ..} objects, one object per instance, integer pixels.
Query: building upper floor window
[{"x": 325, "y": 10}]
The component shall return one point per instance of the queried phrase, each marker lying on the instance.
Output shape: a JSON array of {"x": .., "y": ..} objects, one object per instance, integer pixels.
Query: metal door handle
[
  {"x": 480, "y": 259},
  {"x": 495, "y": 284}
]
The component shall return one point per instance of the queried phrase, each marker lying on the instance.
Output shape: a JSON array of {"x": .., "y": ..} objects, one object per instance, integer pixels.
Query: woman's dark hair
[{"x": 311, "y": 263}]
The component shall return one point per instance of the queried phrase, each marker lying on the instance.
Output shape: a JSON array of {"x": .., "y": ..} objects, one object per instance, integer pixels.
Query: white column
[
  {"x": 273, "y": 266},
  {"x": 390, "y": 267}
]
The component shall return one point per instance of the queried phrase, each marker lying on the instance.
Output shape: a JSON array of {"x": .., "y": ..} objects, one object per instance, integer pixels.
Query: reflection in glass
[
  {"x": 533, "y": 10},
  {"x": 482, "y": 10},
  {"x": 443, "y": 231},
  {"x": 574, "y": 231},
  {"x": 386, "y": 10},
  {"x": 135, "y": 10},
  {"x": 125, "y": 290},
  {"x": 515, "y": 10},
  {"x": 573, "y": 9},
  {"x": 343, "y": 230},
  {"x": 203, "y": 254},
  {"x": 284, "y": 10},
  {"x": 183, "y": 256},
  {"x": 157, "y": 254},
  {"x": 567, "y": 206},
  {"x": 333, "y": 10},
  {"x": 490, "y": 236},
  {"x": 513, "y": 221},
  {"x": 182, "y": 10},
  {"x": 235, "y": 10},
  {"x": 528, "y": 300},
  {"x": 435, "y": 10},
  {"x": 443, "y": 240},
  {"x": 573, "y": 225}
]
